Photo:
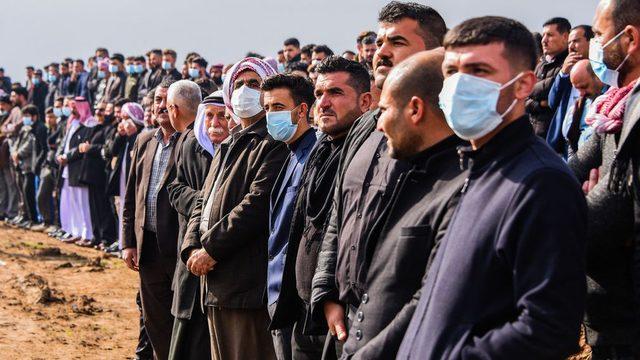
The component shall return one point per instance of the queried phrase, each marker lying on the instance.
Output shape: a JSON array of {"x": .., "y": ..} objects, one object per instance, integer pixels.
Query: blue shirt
[{"x": 282, "y": 204}]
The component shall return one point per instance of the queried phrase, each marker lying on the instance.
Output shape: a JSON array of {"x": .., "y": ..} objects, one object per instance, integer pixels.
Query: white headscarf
[{"x": 200, "y": 127}]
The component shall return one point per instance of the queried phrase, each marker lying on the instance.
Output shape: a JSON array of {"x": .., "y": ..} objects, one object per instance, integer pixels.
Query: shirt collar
[
  {"x": 303, "y": 142},
  {"x": 160, "y": 137}
]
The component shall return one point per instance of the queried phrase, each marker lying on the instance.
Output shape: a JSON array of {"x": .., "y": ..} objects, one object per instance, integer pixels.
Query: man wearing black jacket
[
  {"x": 366, "y": 174},
  {"x": 508, "y": 279},
  {"x": 420, "y": 207}
]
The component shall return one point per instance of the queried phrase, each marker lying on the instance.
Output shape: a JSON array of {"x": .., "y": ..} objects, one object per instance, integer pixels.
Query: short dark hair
[
  {"x": 166, "y": 82},
  {"x": 358, "y": 74},
  {"x": 118, "y": 57},
  {"x": 139, "y": 58},
  {"x": 307, "y": 49},
  {"x": 588, "y": 31},
  {"x": 254, "y": 54},
  {"x": 298, "y": 65},
  {"x": 563, "y": 25},
  {"x": 30, "y": 110},
  {"x": 432, "y": 25},
  {"x": 368, "y": 40},
  {"x": 365, "y": 34},
  {"x": 280, "y": 51},
  {"x": 348, "y": 52},
  {"x": 131, "y": 58},
  {"x": 120, "y": 102},
  {"x": 200, "y": 61},
  {"x": 625, "y": 12},
  {"x": 101, "y": 49},
  {"x": 300, "y": 88},
  {"x": 292, "y": 41},
  {"x": 323, "y": 49},
  {"x": 155, "y": 51},
  {"x": 29, "y": 67},
  {"x": 19, "y": 90},
  {"x": 79, "y": 61},
  {"x": 59, "y": 98},
  {"x": 170, "y": 52},
  {"x": 518, "y": 42},
  {"x": 48, "y": 110}
]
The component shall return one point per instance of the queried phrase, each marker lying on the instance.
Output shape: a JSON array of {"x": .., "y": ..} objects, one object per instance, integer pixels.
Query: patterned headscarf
[
  {"x": 84, "y": 112},
  {"x": 260, "y": 67},
  {"x": 135, "y": 112},
  {"x": 200, "y": 127},
  {"x": 607, "y": 111}
]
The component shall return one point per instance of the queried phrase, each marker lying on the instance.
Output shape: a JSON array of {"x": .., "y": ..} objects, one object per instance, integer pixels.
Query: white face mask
[{"x": 246, "y": 102}]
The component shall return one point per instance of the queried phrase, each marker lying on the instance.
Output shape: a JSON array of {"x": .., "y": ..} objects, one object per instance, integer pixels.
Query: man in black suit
[{"x": 150, "y": 224}]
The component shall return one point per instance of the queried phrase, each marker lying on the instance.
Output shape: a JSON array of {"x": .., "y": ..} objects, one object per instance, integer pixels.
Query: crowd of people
[{"x": 438, "y": 193}]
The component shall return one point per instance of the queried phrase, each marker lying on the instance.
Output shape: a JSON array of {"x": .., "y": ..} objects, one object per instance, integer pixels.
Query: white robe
[{"x": 75, "y": 213}]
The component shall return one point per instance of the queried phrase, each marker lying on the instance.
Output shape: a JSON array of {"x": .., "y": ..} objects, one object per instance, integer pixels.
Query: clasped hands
[{"x": 200, "y": 262}]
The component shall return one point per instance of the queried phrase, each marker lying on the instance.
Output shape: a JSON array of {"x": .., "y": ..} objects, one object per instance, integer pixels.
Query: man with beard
[
  {"x": 367, "y": 174},
  {"x": 150, "y": 224}
]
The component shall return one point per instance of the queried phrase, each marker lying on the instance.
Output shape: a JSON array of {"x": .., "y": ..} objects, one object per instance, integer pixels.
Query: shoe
[
  {"x": 62, "y": 235},
  {"x": 38, "y": 227},
  {"x": 51, "y": 229},
  {"x": 114, "y": 248},
  {"x": 15, "y": 220},
  {"x": 26, "y": 224},
  {"x": 85, "y": 243},
  {"x": 58, "y": 233},
  {"x": 71, "y": 239}
]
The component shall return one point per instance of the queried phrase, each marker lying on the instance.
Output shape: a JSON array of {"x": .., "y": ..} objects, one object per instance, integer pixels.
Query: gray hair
[{"x": 186, "y": 93}]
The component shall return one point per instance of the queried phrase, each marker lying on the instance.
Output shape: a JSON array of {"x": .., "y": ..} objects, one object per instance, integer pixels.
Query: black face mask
[{"x": 108, "y": 118}]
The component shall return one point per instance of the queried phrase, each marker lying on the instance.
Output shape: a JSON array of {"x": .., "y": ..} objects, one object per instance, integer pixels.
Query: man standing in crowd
[
  {"x": 615, "y": 58},
  {"x": 153, "y": 76},
  {"x": 227, "y": 235},
  {"x": 507, "y": 281},
  {"x": 5, "y": 82},
  {"x": 189, "y": 338},
  {"x": 117, "y": 79},
  {"x": 39, "y": 92},
  {"x": 421, "y": 205},
  {"x": 101, "y": 54},
  {"x": 367, "y": 174},
  {"x": 291, "y": 49},
  {"x": 79, "y": 80},
  {"x": 169, "y": 65},
  {"x": 562, "y": 94},
  {"x": 554, "y": 47},
  {"x": 8, "y": 188},
  {"x": 150, "y": 224},
  {"x": 287, "y": 100}
]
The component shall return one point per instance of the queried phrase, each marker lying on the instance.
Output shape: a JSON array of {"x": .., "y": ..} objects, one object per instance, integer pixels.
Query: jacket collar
[
  {"x": 259, "y": 128},
  {"x": 631, "y": 117},
  {"x": 509, "y": 140}
]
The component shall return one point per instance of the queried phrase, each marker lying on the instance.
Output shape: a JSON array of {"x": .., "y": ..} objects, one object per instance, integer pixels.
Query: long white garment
[{"x": 75, "y": 213}]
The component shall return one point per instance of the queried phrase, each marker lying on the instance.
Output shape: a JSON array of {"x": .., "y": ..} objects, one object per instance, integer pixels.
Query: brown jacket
[
  {"x": 239, "y": 220},
  {"x": 133, "y": 215}
]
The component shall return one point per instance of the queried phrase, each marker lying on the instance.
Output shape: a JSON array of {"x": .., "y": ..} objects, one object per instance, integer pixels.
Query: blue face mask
[
  {"x": 26, "y": 121},
  {"x": 166, "y": 65},
  {"x": 57, "y": 112},
  {"x": 131, "y": 69},
  {"x": 66, "y": 111},
  {"x": 101, "y": 74},
  {"x": 52, "y": 78},
  {"x": 3, "y": 113},
  {"x": 194, "y": 73},
  {"x": 113, "y": 68},
  {"x": 280, "y": 126},
  {"x": 138, "y": 68},
  {"x": 35, "y": 81},
  {"x": 469, "y": 104},
  {"x": 596, "y": 58}
]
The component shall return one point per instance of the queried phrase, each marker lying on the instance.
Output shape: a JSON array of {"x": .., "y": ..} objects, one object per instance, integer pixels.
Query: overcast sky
[{"x": 37, "y": 32}]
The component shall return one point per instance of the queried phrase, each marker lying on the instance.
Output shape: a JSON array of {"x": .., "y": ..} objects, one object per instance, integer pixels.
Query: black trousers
[
  {"x": 28, "y": 188},
  {"x": 103, "y": 216},
  {"x": 47, "y": 204},
  {"x": 190, "y": 338},
  {"x": 156, "y": 276},
  {"x": 144, "y": 351}
]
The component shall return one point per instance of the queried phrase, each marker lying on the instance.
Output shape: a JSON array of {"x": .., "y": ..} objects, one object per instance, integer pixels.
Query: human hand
[
  {"x": 84, "y": 147},
  {"x": 130, "y": 258},
  {"x": 334, "y": 313},
  {"x": 588, "y": 185},
  {"x": 62, "y": 160},
  {"x": 121, "y": 129},
  {"x": 569, "y": 61},
  {"x": 200, "y": 263}
]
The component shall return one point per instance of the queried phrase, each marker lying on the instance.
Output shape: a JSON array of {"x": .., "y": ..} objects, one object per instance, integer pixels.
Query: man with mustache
[{"x": 367, "y": 174}]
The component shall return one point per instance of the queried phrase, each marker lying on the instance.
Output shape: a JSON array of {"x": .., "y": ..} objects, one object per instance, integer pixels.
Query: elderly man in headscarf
[
  {"x": 75, "y": 213},
  {"x": 226, "y": 239}
]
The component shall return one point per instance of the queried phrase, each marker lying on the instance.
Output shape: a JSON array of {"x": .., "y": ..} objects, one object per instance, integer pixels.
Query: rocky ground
[{"x": 60, "y": 301}]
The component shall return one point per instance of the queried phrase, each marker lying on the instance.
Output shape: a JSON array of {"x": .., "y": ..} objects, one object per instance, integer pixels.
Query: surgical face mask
[
  {"x": 131, "y": 69},
  {"x": 596, "y": 58},
  {"x": 246, "y": 102},
  {"x": 281, "y": 68},
  {"x": 166, "y": 65},
  {"x": 101, "y": 74},
  {"x": 52, "y": 78},
  {"x": 138, "y": 68},
  {"x": 194, "y": 73},
  {"x": 280, "y": 126},
  {"x": 66, "y": 111},
  {"x": 26, "y": 121},
  {"x": 57, "y": 112},
  {"x": 3, "y": 112},
  {"x": 113, "y": 68},
  {"x": 469, "y": 104},
  {"x": 35, "y": 81}
]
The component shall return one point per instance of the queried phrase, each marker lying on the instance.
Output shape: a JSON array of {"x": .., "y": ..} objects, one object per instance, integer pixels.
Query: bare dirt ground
[{"x": 60, "y": 301}]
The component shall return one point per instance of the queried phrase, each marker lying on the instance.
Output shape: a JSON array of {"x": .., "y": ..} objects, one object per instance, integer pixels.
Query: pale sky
[{"x": 37, "y": 32}]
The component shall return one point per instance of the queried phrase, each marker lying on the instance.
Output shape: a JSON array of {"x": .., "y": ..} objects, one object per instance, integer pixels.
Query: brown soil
[{"x": 60, "y": 301}]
